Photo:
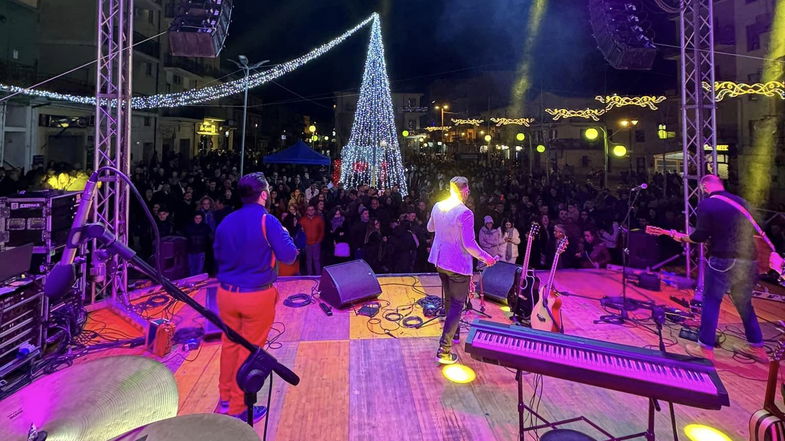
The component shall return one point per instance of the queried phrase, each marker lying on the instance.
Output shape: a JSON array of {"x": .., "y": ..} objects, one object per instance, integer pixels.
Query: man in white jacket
[{"x": 452, "y": 251}]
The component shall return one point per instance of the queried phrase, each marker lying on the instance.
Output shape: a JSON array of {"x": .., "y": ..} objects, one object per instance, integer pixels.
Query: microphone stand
[
  {"x": 622, "y": 303},
  {"x": 259, "y": 364}
]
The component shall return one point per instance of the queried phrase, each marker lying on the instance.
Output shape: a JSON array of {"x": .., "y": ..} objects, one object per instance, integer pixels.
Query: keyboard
[{"x": 678, "y": 378}]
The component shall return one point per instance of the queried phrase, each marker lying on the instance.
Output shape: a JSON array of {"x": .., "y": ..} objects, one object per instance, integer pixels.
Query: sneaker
[
  {"x": 700, "y": 351},
  {"x": 446, "y": 358},
  {"x": 222, "y": 407},
  {"x": 258, "y": 413},
  {"x": 752, "y": 351}
]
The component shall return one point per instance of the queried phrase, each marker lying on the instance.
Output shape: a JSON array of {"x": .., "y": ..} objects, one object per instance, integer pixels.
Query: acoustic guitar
[
  {"x": 768, "y": 424},
  {"x": 526, "y": 294},
  {"x": 546, "y": 315}
]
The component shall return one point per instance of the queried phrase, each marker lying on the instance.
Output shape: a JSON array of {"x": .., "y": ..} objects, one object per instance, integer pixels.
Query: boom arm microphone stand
[
  {"x": 623, "y": 304},
  {"x": 259, "y": 364}
]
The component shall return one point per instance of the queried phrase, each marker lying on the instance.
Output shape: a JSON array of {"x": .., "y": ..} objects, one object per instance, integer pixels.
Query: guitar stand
[
  {"x": 468, "y": 307},
  {"x": 523, "y": 408}
]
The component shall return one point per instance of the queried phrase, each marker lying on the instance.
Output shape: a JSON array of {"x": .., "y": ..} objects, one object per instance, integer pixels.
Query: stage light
[
  {"x": 312, "y": 128},
  {"x": 591, "y": 134},
  {"x": 619, "y": 150},
  {"x": 523, "y": 80},
  {"x": 314, "y": 138},
  {"x": 405, "y": 133},
  {"x": 520, "y": 137},
  {"x": 700, "y": 432},
  {"x": 458, "y": 373},
  {"x": 487, "y": 138},
  {"x": 541, "y": 148}
]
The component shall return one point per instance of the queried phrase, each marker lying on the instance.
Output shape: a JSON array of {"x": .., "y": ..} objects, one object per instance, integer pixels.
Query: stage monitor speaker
[
  {"x": 344, "y": 284},
  {"x": 199, "y": 28},
  {"x": 499, "y": 280},
  {"x": 211, "y": 332},
  {"x": 644, "y": 250}
]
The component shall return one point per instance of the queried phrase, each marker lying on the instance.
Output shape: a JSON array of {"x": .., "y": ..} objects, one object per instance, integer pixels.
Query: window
[
  {"x": 753, "y": 37},
  {"x": 640, "y": 136},
  {"x": 177, "y": 79},
  {"x": 148, "y": 69},
  {"x": 147, "y": 121},
  {"x": 412, "y": 102},
  {"x": 151, "y": 16}
]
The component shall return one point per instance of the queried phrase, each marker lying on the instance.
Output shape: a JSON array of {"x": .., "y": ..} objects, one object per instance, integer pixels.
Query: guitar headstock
[
  {"x": 534, "y": 229},
  {"x": 562, "y": 245},
  {"x": 651, "y": 229}
]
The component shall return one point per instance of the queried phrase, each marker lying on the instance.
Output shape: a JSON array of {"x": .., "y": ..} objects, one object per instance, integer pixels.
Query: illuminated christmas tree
[{"x": 372, "y": 155}]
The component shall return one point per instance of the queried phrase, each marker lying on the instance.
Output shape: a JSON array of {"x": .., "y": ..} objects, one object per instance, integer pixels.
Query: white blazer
[{"x": 454, "y": 244}]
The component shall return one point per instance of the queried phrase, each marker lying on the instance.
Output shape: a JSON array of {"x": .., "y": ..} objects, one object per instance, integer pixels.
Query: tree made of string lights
[{"x": 373, "y": 156}]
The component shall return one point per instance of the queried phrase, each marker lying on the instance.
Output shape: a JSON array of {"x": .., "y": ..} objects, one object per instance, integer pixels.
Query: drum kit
[{"x": 117, "y": 398}]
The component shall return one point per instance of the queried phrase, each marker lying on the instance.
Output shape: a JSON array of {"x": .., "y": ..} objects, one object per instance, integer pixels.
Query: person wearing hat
[
  {"x": 452, "y": 251},
  {"x": 490, "y": 239}
]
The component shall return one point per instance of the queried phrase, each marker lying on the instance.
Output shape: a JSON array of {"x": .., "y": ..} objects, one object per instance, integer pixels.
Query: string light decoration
[
  {"x": 587, "y": 113},
  {"x": 469, "y": 122},
  {"x": 438, "y": 129},
  {"x": 614, "y": 100},
  {"x": 372, "y": 155},
  {"x": 512, "y": 121},
  {"x": 203, "y": 94},
  {"x": 732, "y": 89}
]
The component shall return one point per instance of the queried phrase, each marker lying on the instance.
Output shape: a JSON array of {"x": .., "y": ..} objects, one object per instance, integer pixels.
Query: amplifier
[
  {"x": 41, "y": 218},
  {"x": 22, "y": 308}
]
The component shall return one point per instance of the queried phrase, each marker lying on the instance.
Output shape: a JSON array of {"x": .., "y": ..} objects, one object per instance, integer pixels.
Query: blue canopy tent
[{"x": 299, "y": 154}]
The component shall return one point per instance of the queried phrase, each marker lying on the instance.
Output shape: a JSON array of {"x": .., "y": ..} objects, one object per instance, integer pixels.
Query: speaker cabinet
[
  {"x": 644, "y": 250},
  {"x": 199, "y": 28},
  {"x": 498, "y": 280},
  {"x": 344, "y": 284}
]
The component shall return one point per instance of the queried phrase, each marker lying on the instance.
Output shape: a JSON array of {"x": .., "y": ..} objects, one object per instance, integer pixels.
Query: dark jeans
[
  {"x": 456, "y": 290},
  {"x": 738, "y": 276}
]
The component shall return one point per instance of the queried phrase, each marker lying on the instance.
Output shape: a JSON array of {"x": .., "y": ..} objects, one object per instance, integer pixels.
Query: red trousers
[{"x": 251, "y": 314}]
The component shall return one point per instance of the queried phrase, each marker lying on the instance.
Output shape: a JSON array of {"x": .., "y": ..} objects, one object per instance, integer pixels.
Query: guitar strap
[
  {"x": 749, "y": 217},
  {"x": 264, "y": 233}
]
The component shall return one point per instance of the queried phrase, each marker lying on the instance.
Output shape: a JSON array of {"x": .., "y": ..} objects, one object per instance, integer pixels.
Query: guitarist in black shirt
[{"x": 731, "y": 265}]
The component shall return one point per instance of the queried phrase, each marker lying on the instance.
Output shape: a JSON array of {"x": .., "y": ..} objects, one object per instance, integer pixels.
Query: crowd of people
[{"x": 387, "y": 228}]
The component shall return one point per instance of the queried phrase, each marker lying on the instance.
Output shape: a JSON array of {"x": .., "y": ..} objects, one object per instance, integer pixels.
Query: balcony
[
  {"x": 150, "y": 47},
  {"x": 192, "y": 66}
]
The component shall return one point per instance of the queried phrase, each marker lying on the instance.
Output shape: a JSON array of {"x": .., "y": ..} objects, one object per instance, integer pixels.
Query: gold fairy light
[
  {"x": 587, "y": 113},
  {"x": 614, "y": 100},
  {"x": 470, "y": 122},
  {"x": 733, "y": 89},
  {"x": 512, "y": 121},
  {"x": 438, "y": 129}
]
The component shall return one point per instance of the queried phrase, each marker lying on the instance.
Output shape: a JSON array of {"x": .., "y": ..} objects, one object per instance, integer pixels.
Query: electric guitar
[
  {"x": 768, "y": 424},
  {"x": 525, "y": 296},
  {"x": 546, "y": 315},
  {"x": 765, "y": 255}
]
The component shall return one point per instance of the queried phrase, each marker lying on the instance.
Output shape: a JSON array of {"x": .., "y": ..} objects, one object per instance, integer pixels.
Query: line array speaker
[{"x": 200, "y": 27}]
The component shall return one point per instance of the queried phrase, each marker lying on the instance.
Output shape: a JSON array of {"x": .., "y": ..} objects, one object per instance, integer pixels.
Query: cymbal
[
  {"x": 91, "y": 401},
  {"x": 196, "y": 427}
]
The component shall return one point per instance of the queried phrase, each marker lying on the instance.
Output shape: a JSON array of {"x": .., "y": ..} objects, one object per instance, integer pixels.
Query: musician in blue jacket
[{"x": 247, "y": 244}]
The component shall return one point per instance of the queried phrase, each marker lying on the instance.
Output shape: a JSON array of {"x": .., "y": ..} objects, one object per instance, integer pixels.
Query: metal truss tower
[
  {"x": 698, "y": 114},
  {"x": 112, "y": 136}
]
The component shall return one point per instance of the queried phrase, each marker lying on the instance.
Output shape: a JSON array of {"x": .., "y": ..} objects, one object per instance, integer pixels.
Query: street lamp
[
  {"x": 247, "y": 68},
  {"x": 442, "y": 108},
  {"x": 592, "y": 133}
]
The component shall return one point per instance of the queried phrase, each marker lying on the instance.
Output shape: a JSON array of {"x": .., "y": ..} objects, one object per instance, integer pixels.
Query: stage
[{"x": 360, "y": 383}]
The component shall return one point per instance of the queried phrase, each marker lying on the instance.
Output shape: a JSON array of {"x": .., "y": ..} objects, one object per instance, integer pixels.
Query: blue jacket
[{"x": 243, "y": 255}]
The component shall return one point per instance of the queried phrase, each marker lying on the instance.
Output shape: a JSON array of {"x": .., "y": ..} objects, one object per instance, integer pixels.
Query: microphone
[
  {"x": 643, "y": 186},
  {"x": 63, "y": 275}
]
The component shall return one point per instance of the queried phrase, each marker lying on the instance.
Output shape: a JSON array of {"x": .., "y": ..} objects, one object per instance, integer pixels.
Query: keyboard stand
[{"x": 523, "y": 408}]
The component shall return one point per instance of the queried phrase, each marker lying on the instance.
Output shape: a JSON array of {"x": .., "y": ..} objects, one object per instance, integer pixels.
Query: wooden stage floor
[{"x": 361, "y": 384}]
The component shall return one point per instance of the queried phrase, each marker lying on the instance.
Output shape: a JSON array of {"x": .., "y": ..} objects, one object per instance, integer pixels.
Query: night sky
[{"x": 432, "y": 39}]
